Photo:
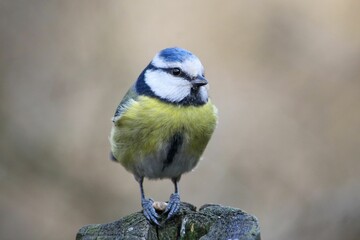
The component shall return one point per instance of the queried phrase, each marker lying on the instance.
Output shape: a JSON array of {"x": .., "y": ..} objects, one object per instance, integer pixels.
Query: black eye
[{"x": 176, "y": 71}]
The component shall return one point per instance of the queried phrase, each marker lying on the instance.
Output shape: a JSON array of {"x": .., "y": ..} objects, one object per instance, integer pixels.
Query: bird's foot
[
  {"x": 173, "y": 205},
  {"x": 149, "y": 210}
]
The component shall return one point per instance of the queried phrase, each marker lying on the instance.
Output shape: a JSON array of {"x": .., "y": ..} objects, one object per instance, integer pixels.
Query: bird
[{"x": 163, "y": 124}]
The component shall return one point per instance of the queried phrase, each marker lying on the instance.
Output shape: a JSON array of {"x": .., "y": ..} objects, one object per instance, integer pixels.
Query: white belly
[{"x": 153, "y": 166}]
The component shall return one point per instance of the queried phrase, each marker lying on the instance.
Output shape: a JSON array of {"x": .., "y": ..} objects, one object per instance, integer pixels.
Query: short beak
[{"x": 199, "y": 81}]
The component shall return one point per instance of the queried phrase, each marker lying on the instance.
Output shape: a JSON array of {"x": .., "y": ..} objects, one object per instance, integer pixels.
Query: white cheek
[
  {"x": 166, "y": 86},
  {"x": 203, "y": 93}
]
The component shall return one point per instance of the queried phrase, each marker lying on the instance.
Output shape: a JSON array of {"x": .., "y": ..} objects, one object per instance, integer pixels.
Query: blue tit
[{"x": 163, "y": 124}]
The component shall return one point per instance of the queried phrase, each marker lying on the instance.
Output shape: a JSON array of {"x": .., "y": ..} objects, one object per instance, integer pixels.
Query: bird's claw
[
  {"x": 173, "y": 205},
  {"x": 149, "y": 210}
]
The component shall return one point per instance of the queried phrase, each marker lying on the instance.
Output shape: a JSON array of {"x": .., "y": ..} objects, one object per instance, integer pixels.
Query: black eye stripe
[
  {"x": 176, "y": 71},
  {"x": 182, "y": 74}
]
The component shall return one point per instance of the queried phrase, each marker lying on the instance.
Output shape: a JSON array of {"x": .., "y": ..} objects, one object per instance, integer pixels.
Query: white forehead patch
[
  {"x": 167, "y": 86},
  {"x": 191, "y": 65}
]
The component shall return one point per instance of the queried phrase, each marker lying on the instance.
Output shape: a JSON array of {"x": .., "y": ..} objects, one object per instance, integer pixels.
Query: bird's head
[{"x": 175, "y": 75}]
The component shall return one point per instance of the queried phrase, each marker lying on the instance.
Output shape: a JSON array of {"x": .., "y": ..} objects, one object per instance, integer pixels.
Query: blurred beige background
[{"x": 285, "y": 76}]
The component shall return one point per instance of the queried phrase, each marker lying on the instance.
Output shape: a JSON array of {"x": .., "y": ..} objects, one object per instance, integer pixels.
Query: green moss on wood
[{"x": 210, "y": 222}]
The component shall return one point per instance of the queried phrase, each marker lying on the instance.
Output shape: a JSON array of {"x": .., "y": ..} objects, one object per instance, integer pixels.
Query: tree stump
[{"x": 211, "y": 222}]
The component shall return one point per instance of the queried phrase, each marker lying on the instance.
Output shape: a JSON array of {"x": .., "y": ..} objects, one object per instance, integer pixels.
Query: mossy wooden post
[{"x": 211, "y": 222}]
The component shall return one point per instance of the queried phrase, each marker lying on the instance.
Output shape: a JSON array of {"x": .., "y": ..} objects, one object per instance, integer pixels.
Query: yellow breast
[{"x": 149, "y": 123}]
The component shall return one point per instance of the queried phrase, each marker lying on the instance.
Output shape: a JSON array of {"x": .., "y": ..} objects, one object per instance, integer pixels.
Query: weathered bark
[{"x": 211, "y": 222}]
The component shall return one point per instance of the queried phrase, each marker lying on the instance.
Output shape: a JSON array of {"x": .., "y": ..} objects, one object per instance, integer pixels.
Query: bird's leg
[
  {"x": 147, "y": 205},
  {"x": 174, "y": 201}
]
